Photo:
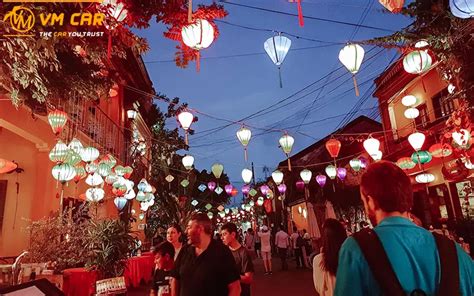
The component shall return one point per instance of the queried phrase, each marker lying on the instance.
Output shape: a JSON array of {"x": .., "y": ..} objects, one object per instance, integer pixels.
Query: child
[{"x": 164, "y": 262}]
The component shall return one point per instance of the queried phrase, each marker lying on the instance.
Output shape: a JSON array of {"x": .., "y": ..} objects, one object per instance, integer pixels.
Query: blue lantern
[
  {"x": 462, "y": 8},
  {"x": 120, "y": 202}
]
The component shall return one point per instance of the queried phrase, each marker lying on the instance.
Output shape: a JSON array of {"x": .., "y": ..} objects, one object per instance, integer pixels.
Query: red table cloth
[
  {"x": 79, "y": 282},
  {"x": 138, "y": 269}
]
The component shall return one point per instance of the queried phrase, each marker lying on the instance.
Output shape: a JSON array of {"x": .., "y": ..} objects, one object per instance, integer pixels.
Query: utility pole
[{"x": 253, "y": 175}]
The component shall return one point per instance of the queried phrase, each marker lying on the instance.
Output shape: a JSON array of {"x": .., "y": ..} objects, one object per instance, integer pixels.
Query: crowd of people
[{"x": 396, "y": 257}]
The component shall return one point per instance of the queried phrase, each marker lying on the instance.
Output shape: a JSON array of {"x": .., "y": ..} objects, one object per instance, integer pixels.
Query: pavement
[{"x": 281, "y": 283}]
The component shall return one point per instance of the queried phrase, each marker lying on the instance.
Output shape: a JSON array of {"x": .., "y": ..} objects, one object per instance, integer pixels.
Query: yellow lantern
[
  {"x": 217, "y": 170},
  {"x": 244, "y": 135}
]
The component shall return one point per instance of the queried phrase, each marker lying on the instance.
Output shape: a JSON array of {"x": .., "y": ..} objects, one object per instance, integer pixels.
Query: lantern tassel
[
  {"x": 245, "y": 154},
  {"x": 198, "y": 61},
  {"x": 190, "y": 11},
  {"x": 279, "y": 76},
  {"x": 289, "y": 164},
  {"x": 355, "y": 85},
  {"x": 186, "y": 138},
  {"x": 109, "y": 46},
  {"x": 300, "y": 14}
]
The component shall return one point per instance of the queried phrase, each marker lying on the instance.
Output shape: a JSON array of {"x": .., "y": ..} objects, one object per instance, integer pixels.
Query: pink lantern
[
  {"x": 341, "y": 173},
  {"x": 363, "y": 162},
  {"x": 246, "y": 189},
  {"x": 211, "y": 185},
  {"x": 264, "y": 189},
  {"x": 282, "y": 188},
  {"x": 299, "y": 185},
  {"x": 321, "y": 179},
  {"x": 228, "y": 189}
]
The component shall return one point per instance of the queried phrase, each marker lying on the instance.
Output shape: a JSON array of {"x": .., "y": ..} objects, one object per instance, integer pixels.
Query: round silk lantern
[
  {"x": 394, "y": 6},
  {"x": 355, "y": 164},
  {"x": 321, "y": 180},
  {"x": 63, "y": 172},
  {"x": 228, "y": 189},
  {"x": 417, "y": 62},
  {"x": 440, "y": 150},
  {"x": 409, "y": 101},
  {"x": 416, "y": 140},
  {"x": 264, "y": 189},
  {"x": 244, "y": 135},
  {"x": 76, "y": 146},
  {"x": 59, "y": 152},
  {"x": 128, "y": 172},
  {"x": 185, "y": 118},
  {"x": 234, "y": 192},
  {"x": 331, "y": 171},
  {"x": 211, "y": 185},
  {"x": 333, "y": 146},
  {"x": 245, "y": 189},
  {"x": 282, "y": 188},
  {"x": 424, "y": 178},
  {"x": 260, "y": 201},
  {"x": 286, "y": 144},
  {"x": 197, "y": 36},
  {"x": 277, "y": 47},
  {"x": 277, "y": 177},
  {"x": 73, "y": 158},
  {"x": 120, "y": 203},
  {"x": 341, "y": 173},
  {"x": 89, "y": 154},
  {"x": 95, "y": 194},
  {"x": 299, "y": 185},
  {"x": 371, "y": 145},
  {"x": 57, "y": 120},
  {"x": 421, "y": 157},
  {"x": 306, "y": 176},
  {"x": 267, "y": 204},
  {"x": 462, "y": 8},
  {"x": 188, "y": 161},
  {"x": 406, "y": 163},
  {"x": 351, "y": 57},
  {"x": 80, "y": 174},
  {"x": 247, "y": 175},
  {"x": 217, "y": 170}
]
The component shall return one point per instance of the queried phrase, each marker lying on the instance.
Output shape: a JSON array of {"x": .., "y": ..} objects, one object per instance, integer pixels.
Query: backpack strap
[
  {"x": 448, "y": 258},
  {"x": 378, "y": 261}
]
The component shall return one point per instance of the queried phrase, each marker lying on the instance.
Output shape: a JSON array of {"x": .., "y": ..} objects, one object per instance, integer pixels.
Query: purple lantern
[
  {"x": 300, "y": 185},
  {"x": 228, "y": 189},
  {"x": 211, "y": 185},
  {"x": 321, "y": 179},
  {"x": 246, "y": 189},
  {"x": 282, "y": 188},
  {"x": 341, "y": 173},
  {"x": 264, "y": 189},
  {"x": 363, "y": 162}
]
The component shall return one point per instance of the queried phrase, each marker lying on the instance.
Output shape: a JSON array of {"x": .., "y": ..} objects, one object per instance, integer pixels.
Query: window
[
  {"x": 442, "y": 104},
  {"x": 423, "y": 119}
]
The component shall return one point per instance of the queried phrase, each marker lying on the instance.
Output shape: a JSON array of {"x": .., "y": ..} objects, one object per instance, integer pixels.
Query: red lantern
[
  {"x": 267, "y": 204},
  {"x": 234, "y": 192},
  {"x": 394, "y": 6},
  {"x": 299, "y": 185},
  {"x": 333, "y": 146}
]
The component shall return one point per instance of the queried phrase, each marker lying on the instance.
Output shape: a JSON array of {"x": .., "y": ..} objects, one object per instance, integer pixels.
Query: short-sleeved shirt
[
  {"x": 413, "y": 254},
  {"x": 294, "y": 238},
  {"x": 265, "y": 239},
  {"x": 244, "y": 264},
  {"x": 208, "y": 274},
  {"x": 161, "y": 282},
  {"x": 281, "y": 239}
]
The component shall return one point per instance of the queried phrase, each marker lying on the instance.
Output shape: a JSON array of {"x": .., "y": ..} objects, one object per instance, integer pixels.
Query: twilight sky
[{"x": 237, "y": 78}]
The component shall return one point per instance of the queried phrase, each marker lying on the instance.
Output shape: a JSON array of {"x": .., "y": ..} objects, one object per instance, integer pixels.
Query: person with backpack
[{"x": 398, "y": 257}]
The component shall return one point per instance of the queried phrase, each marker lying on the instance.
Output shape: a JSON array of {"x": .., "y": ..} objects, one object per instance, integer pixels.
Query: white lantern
[
  {"x": 277, "y": 48},
  {"x": 132, "y": 114},
  {"x": 104, "y": 169},
  {"x": 198, "y": 35},
  {"x": 306, "y": 176},
  {"x": 424, "y": 178},
  {"x": 59, "y": 152},
  {"x": 411, "y": 113},
  {"x": 409, "y": 101},
  {"x": 462, "y": 8},
  {"x": 185, "y": 118},
  {"x": 461, "y": 137},
  {"x": 95, "y": 194},
  {"x": 286, "y": 144},
  {"x": 76, "y": 146},
  {"x": 94, "y": 180},
  {"x": 421, "y": 44},
  {"x": 111, "y": 178},
  {"x": 331, "y": 171},
  {"x": 63, "y": 172},
  {"x": 130, "y": 194},
  {"x": 416, "y": 140},
  {"x": 277, "y": 177},
  {"x": 351, "y": 57},
  {"x": 371, "y": 145},
  {"x": 417, "y": 62},
  {"x": 188, "y": 161},
  {"x": 89, "y": 154},
  {"x": 376, "y": 156},
  {"x": 244, "y": 135},
  {"x": 247, "y": 175}
]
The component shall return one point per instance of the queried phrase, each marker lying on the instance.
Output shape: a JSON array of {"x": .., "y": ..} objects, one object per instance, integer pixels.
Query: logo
[{"x": 21, "y": 20}]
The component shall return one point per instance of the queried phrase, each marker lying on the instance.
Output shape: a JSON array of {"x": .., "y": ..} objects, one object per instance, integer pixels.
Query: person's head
[
  {"x": 164, "y": 255},
  {"x": 264, "y": 228},
  {"x": 385, "y": 189},
  {"x": 228, "y": 233},
  {"x": 333, "y": 235},
  {"x": 199, "y": 226},
  {"x": 173, "y": 233},
  {"x": 250, "y": 231}
]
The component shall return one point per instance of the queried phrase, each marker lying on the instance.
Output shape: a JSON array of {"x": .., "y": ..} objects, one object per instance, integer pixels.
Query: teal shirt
[{"x": 413, "y": 255}]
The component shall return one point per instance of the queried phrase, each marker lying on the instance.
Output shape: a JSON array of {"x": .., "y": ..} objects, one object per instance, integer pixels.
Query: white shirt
[
  {"x": 281, "y": 239},
  {"x": 324, "y": 282},
  {"x": 265, "y": 239},
  {"x": 294, "y": 237}
]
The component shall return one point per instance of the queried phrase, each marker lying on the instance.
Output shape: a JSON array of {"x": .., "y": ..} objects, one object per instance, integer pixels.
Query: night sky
[{"x": 237, "y": 78}]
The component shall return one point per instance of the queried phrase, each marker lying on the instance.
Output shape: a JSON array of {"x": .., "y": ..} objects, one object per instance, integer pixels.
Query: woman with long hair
[
  {"x": 173, "y": 235},
  {"x": 325, "y": 263}
]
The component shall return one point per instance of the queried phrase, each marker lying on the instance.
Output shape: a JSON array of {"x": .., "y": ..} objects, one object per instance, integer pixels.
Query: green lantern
[
  {"x": 73, "y": 158},
  {"x": 355, "y": 164},
  {"x": 421, "y": 157},
  {"x": 217, "y": 170}
]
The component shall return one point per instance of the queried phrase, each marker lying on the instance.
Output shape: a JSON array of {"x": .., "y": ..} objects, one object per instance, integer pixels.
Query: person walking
[
  {"x": 266, "y": 249},
  {"x": 249, "y": 242},
  {"x": 241, "y": 255},
  {"x": 173, "y": 235},
  {"x": 297, "y": 243},
  {"x": 398, "y": 257},
  {"x": 258, "y": 246},
  {"x": 282, "y": 243},
  {"x": 325, "y": 263},
  {"x": 205, "y": 267}
]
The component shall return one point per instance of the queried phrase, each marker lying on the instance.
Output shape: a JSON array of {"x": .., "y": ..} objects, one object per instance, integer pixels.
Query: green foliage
[{"x": 108, "y": 245}]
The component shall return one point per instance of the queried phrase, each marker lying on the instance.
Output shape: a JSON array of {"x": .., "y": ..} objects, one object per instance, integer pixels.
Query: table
[
  {"x": 79, "y": 282},
  {"x": 138, "y": 269}
]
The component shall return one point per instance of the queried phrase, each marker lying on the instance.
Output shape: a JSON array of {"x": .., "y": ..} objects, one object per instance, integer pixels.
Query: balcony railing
[{"x": 105, "y": 134}]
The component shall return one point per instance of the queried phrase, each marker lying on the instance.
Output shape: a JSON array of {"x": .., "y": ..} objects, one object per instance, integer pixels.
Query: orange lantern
[
  {"x": 333, "y": 146},
  {"x": 394, "y": 6},
  {"x": 267, "y": 204},
  {"x": 440, "y": 150},
  {"x": 234, "y": 192}
]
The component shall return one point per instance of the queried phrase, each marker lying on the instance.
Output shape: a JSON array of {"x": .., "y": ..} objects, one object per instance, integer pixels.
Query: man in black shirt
[
  {"x": 241, "y": 255},
  {"x": 205, "y": 267},
  {"x": 164, "y": 254}
]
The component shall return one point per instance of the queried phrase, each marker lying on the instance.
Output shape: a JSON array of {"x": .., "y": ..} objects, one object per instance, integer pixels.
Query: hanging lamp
[
  {"x": 277, "y": 48},
  {"x": 286, "y": 144},
  {"x": 244, "y": 135},
  {"x": 57, "y": 120},
  {"x": 351, "y": 57},
  {"x": 198, "y": 35},
  {"x": 277, "y": 177},
  {"x": 185, "y": 118}
]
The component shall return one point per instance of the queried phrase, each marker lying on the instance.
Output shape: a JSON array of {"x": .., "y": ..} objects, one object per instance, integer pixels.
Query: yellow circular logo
[{"x": 21, "y": 19}]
